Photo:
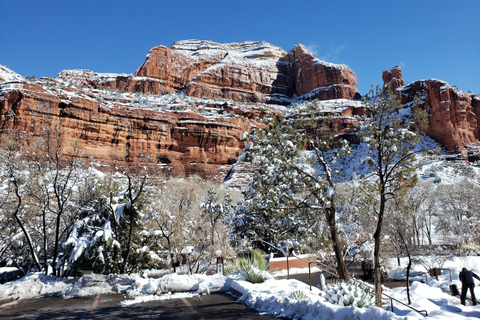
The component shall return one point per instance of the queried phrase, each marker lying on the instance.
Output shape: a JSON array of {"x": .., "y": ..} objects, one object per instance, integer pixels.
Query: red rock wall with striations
[
  {"x": 454, "y": 114},
  {"x": 186, "y": 142},
  {"x": 316, "y": 79},
  {"x": 248, "y": 72}
]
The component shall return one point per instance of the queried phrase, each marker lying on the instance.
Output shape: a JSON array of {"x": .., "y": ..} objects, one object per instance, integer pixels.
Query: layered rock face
[
  {"x": 248, "y": 72},
  {"x": 454, "y": 114},
  {"x": 316, "y": 79},
  {"x": 174, "y": 135},
  {"x": 244, "y": 72},
  {"x": 143, "y": 118}
]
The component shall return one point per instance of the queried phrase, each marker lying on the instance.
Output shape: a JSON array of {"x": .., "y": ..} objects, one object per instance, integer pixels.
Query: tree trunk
[
  {"x": 376, "y": 252},
  {"x": 45, "y": 242},
  {"x": 56, "y": 244},
  {"x": 131, "y": 212},
  {"x": 22, "y": 226},
  {"x": 341, "y": 268},
  {"x": 409, "y": 266},
  {"x": 377, "y": 274}
]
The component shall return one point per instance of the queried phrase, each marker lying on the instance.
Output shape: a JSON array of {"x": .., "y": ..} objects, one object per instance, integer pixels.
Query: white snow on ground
[{"x": 272, "y": 297}]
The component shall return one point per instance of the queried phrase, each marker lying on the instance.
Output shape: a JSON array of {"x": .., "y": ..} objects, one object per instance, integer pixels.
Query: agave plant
[
  {"x": 350, "y": 293},
  {"x": 253, "y": 269}
]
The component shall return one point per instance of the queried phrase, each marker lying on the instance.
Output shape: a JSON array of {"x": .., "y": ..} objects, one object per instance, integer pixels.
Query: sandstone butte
[
  {"x": 454, "y": 115},
  {"x": 187, "y": 106}
]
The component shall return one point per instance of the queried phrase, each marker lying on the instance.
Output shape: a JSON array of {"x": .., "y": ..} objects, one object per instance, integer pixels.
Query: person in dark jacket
[{"x": 467, "y": 283}]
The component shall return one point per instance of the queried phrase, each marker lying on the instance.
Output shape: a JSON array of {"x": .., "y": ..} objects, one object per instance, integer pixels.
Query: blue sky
[{"x": 428, "y": 39}]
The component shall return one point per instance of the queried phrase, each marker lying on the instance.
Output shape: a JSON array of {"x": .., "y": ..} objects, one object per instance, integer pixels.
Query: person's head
[{"x": 464, "y": 269}]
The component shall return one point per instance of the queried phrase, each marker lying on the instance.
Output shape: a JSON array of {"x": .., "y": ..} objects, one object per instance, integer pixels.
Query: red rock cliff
[
  {"x": 175, "y": 135},
  {"x": 454, "y": 114},
  {"x": 248, "y": 72}
]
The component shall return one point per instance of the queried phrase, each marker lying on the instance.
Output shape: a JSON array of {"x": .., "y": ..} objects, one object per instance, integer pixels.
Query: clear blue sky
[{"x": 428, "y": 39}]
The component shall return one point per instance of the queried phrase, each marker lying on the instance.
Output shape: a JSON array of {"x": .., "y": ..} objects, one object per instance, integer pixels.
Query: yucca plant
[
  {"x": 253, "y": 268},
  {"x": 350, "y": 293}
]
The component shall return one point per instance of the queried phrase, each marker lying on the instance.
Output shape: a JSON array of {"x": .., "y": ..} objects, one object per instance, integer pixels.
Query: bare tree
[
  {"x": 12, "y": 164},
  {"x": 190, "y": 225},
  {"x": 459, "y": 205},
  {"x": 55, "y": 167}
]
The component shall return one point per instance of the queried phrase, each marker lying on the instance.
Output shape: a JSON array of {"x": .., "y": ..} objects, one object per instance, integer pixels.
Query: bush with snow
[{"x": 350, "y": 293}]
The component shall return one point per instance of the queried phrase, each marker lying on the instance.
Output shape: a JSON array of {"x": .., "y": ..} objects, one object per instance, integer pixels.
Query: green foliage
[
  {"x": 391, "y": 132},
  {"x": 293, "y": 186},
  {"x": 253, "y": 268},
  {"x": 298, "y": 295},
  {"x": 350, "y": 293},
  {"x": 291, "y": 197}
]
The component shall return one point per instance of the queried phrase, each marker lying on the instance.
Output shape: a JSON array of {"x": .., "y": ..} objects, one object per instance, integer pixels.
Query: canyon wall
[
  {"x": 177, "y": 139},
  {"x": 454, "y": 115}
]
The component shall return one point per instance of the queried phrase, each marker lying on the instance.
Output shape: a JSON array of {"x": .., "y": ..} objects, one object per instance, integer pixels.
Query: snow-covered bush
[
  {"x": 253, "y": 269},
  {"x": 298, "y": 295},
  {"x": 350, "y": 293}
]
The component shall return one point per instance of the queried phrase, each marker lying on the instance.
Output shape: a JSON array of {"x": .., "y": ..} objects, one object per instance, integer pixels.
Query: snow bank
[
  {"x": 34, "y": 285},
  {"x": 196, "y": 282},
  {"x": 39, "y": 285},
  {"x": 275, "y": 297}
]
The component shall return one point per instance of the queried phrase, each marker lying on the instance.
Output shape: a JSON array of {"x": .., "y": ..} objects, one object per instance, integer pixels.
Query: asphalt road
[{"x": 214, "y": 306}]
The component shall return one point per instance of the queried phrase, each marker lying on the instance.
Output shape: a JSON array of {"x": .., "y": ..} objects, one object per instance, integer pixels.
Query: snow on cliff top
[
  {"x": 7, "y": 75},
  {"x": 255, "y": 52},
  {"x": 237, "y": 50}
]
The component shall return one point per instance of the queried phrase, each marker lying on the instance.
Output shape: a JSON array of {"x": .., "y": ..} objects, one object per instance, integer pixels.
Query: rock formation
[
  {"x": 393, "y": 77},
  {"x": 248, "y": 72},
  {"x": 174, "y": 135},
  {"x": 187, "y": 107},
  {"x": 454, "y": 114},
  {"x": 245, "y": 72},
  {"x": 316, "y": 79}
]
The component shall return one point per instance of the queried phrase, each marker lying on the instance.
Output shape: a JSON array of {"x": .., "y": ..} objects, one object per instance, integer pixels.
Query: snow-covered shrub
[
  {"x": 350, "y": 293},
  {"x": 298, "y": 295},
  {"x": 253, "y": 269}
]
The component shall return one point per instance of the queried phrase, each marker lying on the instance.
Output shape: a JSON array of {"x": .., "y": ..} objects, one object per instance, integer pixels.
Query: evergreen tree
[
  {"x": 292, "y": 194},
  {"x": 391, "y": 131}
]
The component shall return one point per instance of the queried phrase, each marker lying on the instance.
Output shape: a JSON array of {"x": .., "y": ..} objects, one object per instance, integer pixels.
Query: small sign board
[{"x": 220, "y": 265}]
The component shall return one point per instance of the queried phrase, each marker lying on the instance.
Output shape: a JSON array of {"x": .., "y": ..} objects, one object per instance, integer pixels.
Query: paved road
[{"x": 215, "y": 306}]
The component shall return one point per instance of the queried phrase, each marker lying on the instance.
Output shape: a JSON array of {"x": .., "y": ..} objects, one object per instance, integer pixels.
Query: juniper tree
[
  {"x": 390, "y": 131},
  {"x": 292, "y": 194}
]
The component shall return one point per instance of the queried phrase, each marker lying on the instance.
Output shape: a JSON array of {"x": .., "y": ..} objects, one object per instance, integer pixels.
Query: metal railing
[
  {"x": 309, "y": 269},
  {"x": 334, "y": 273}
]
